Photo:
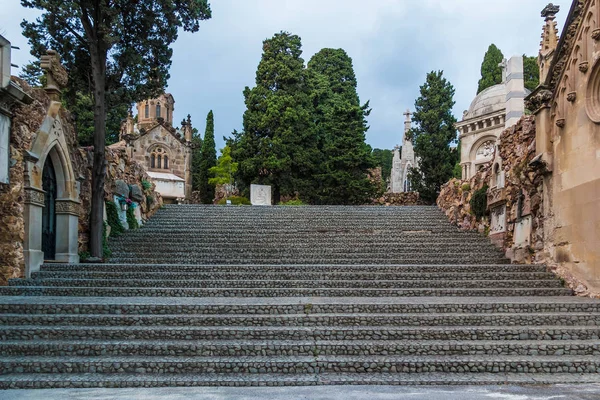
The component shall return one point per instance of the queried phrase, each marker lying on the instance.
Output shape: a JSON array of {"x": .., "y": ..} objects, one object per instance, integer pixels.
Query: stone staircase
[{"x": 296, "y": 296}]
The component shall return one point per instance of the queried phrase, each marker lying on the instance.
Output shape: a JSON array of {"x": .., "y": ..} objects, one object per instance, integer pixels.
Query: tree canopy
[
  {"x": 432, "y": 135},
  {"x": 531, "y": 72},
  {"x": 491, "y": 72},
  {"x": 117, "y": 50},
  {"x": 384, "y": 159}
]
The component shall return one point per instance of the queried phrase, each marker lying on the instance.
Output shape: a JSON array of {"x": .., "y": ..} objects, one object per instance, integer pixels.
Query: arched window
[
  {"x": 157, "y": 157},
  {"x": 167, "y": 112},
  {"x": 166, "y": 162},
  {"x": 152, "y": 161},
  {"x": 159, "y": 161},
  {"x": 158, "y": 111},
  {"x": 147, "y": 111}
]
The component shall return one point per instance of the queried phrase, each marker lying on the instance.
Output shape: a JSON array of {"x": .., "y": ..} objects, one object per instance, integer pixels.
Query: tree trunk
[
  {"x": 99, "y": 168},
  {"x": 276, "y": 194}
]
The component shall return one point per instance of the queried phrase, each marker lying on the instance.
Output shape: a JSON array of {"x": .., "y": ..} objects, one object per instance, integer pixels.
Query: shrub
[
  {"x": 131, "y": 220},
  {"x": 146, "y": 185},
  {"x": 479, "y": 202},
  {"x": 295, "y": 202},
  {"x": 112, "y": 217},
  {"x": 466, "y": 187},
  {"x": 236, "y": 201}
]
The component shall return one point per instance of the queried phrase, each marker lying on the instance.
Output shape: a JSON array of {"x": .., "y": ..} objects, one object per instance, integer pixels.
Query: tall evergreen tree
[
  {"x": 117, "y": 49},
  {"x": 384, "y": 159},
  {"x": 531, "y": 71},
  {"x": 432, "y": 135},
  {"x": 196, "y": 158},
  {"x": 278, "y": 146},
  {"x": 209, "y": 160},
  {"x": 340, "y": 123},
  {"x": 491, "y": 72}
]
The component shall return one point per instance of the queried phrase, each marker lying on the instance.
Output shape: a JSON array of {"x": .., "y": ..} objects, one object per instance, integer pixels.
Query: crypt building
[
  {"x": 403, "y": 161},
  {"x": 491, "y": 112},
  {"x": 165, "y": 151}
]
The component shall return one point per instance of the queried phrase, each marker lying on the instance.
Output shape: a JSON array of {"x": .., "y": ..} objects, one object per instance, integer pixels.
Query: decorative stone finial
[
  {"x": 56, "y": 75},
  {"x": 550, "y": 11},
  {"x": 407, "y": 114}
]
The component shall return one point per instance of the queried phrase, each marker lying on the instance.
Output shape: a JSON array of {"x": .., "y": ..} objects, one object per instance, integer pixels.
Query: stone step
[
  {"x": 35, "y": 332},
  {"x": 280, "y": 284},
  {"x": 274, "y": 348},
  {"x": 274, "y": 292},
  {"x": 296, "y": 268},
  {"x": 314, "y": 319},
  {"x": 331, "y": 276},
  {"x": 307, "y": 306},
  {"x": 47, "y": 381},
  {"x": 223, "y": 259},
  {"x": 301, "y": 364}
]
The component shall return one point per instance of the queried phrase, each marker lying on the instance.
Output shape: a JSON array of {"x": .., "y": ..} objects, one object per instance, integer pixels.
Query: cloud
[{"x": 393, "y": 44}]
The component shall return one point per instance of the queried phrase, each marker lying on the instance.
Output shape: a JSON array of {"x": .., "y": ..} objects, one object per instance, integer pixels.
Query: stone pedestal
[
  {"x": 32, "y": 245},
  {"x": 260, "y": 195},
  {"x": 67, "y": 222}
]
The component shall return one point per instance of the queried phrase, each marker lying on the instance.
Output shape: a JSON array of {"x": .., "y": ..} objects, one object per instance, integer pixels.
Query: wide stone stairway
[{"x": 240, "y": 296}]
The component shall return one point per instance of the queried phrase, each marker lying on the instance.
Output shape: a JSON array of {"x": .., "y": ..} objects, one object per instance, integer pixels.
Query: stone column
[
  {"x": 32, "y": 244},
  {"x": 515, "y": 91},
  {"x": 67, "y": 225}
]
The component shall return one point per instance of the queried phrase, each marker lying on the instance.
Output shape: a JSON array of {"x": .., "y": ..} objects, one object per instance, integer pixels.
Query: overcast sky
[{"x": 393, "y": 44}]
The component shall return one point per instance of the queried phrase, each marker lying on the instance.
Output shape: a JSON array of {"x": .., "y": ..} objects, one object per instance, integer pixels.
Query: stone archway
[{"x": 50, "y": 149}]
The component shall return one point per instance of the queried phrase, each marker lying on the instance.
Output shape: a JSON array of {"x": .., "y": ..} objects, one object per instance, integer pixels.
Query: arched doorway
[{"x": 49, "y": 185}]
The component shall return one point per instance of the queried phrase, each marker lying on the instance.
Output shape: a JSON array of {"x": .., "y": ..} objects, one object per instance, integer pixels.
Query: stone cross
[
  {"x": 56, "y": 75},
  {"x": 407, "y": 114},
  {"x": 503, "y": 65}
]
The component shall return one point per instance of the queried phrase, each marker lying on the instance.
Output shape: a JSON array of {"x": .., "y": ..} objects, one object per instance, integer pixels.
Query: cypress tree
[
  {"x": 340, "y": 123},
  {"x": 433, "y": 132},
  {"x": 491, "y": 72},
  {"x": 278, "y": 146},
  {"x": 209, "y": 160},
  {"x": 196, "y": 158}
]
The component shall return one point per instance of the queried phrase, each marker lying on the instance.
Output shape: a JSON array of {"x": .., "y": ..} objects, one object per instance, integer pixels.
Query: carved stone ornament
[
  {"x": 34, "y": 196},
  {"x": 538, "y": 100},
  {"x": 498, "y": 220},
  {"x": 57, "y": 77},
  {"x": 550, "y": 10},
  {"x": 571, "y": 97},
  {"x": 495, "y": 196},
  {"x": 560, "y": 122},
  {"x": 584, "y": 66},
  {"x": 596, "y": 34},
  {"x": 67, "y": 207}
]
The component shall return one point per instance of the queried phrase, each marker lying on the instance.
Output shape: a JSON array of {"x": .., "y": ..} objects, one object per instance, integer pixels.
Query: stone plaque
[
  {"x": 121, "y": 188},
  {"x": 523, "y": 232},
  {"x": 136, "y": 193},
  {"x": 260, "y": 195},
  {"x": 4, "y": 148},
  {"x": 498, "y": 224}
]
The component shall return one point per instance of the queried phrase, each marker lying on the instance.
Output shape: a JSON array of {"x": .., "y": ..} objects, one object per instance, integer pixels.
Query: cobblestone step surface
[{"x": 280, "y": 296}]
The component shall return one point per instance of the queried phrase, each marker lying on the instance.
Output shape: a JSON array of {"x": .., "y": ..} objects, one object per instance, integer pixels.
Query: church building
[
  {"x": 165, "y": 151},
  {"x": 404, "y": 160}
]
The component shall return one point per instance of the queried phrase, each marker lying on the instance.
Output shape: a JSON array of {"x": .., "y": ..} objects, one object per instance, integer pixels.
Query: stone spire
[
  {"x": 56, "y": 74},
  {"x": 549, "y": 39},
  {"x": 187, "y": 129},
  {"x": 407, "y": 122}
]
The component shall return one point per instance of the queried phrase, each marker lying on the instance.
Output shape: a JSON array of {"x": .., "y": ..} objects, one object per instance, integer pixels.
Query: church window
[
  {"x": 166, "y": 162},
  {"x": 152, "y": 161},
  {"x": 158, "y": 111},
  {"x": 167, "y": 111},
  {"x": 159, "y": 160},
  {"x": 147, "y": 111}
]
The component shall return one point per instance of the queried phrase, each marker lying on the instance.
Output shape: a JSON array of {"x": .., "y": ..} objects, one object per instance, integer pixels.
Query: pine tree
[
  {"x": 209, "y": 160},
  {"x": 340, "y": 123},
  {"x": 491, "y": 72},
  {"x": 278, "y": 146},
  {"x": 432, "y": 135},
  {"x": 531, "y": 72}
]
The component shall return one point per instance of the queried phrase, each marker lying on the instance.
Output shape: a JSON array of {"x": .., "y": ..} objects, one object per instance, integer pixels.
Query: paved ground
[{"x": 556, "y": 392}]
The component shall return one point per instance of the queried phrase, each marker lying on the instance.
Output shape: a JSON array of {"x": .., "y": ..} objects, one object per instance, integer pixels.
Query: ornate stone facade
[
  {"x": 166, "y": 152},
  {"x": 403, "y": 161}
]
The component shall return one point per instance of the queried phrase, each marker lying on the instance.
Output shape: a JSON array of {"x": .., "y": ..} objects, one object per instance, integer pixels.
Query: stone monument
[{"x": 260, "y": 195}]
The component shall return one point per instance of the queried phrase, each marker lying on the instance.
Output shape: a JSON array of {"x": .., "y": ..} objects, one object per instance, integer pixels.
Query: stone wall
[
  {"x": 521, "y": 192},
  {"x": 398, "y": 199},
  {"x": 26, "y": 123}
]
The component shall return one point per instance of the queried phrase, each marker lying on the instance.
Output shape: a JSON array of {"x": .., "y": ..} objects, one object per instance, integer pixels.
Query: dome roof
[{"x": 491, "y": 100}]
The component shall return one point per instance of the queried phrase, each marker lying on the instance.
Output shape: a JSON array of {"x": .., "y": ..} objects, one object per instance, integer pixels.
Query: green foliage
[
  {"x": 84, "y": 256},
  {"x": 340, "y": 124},
  {"x": 131, "y": 220},
  {"x": 295, "y": 202},
  {"x": 531, "y": 71},
  {"x": 432, "y": 135},
  {"x": 33, "y": 74},
  {"x": 491, "y": 72},
  {"x": 149, "y": 200},
  {"x": 146, "y": 185},
  {"x": 225, "y": 169},
  {"x": 479, "y": 202},
  {"x": 278, "y": 145},
  {"x": 208, "y": 160},
  {"x": 384, "y": 159},
  {"x": 457, "y": 171},
  {"x": 196, "y": 158},
  {"x": 113, "y": 220},
  {"x": 236, "y": 201},
  {"x": 466, "y": 187}
]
